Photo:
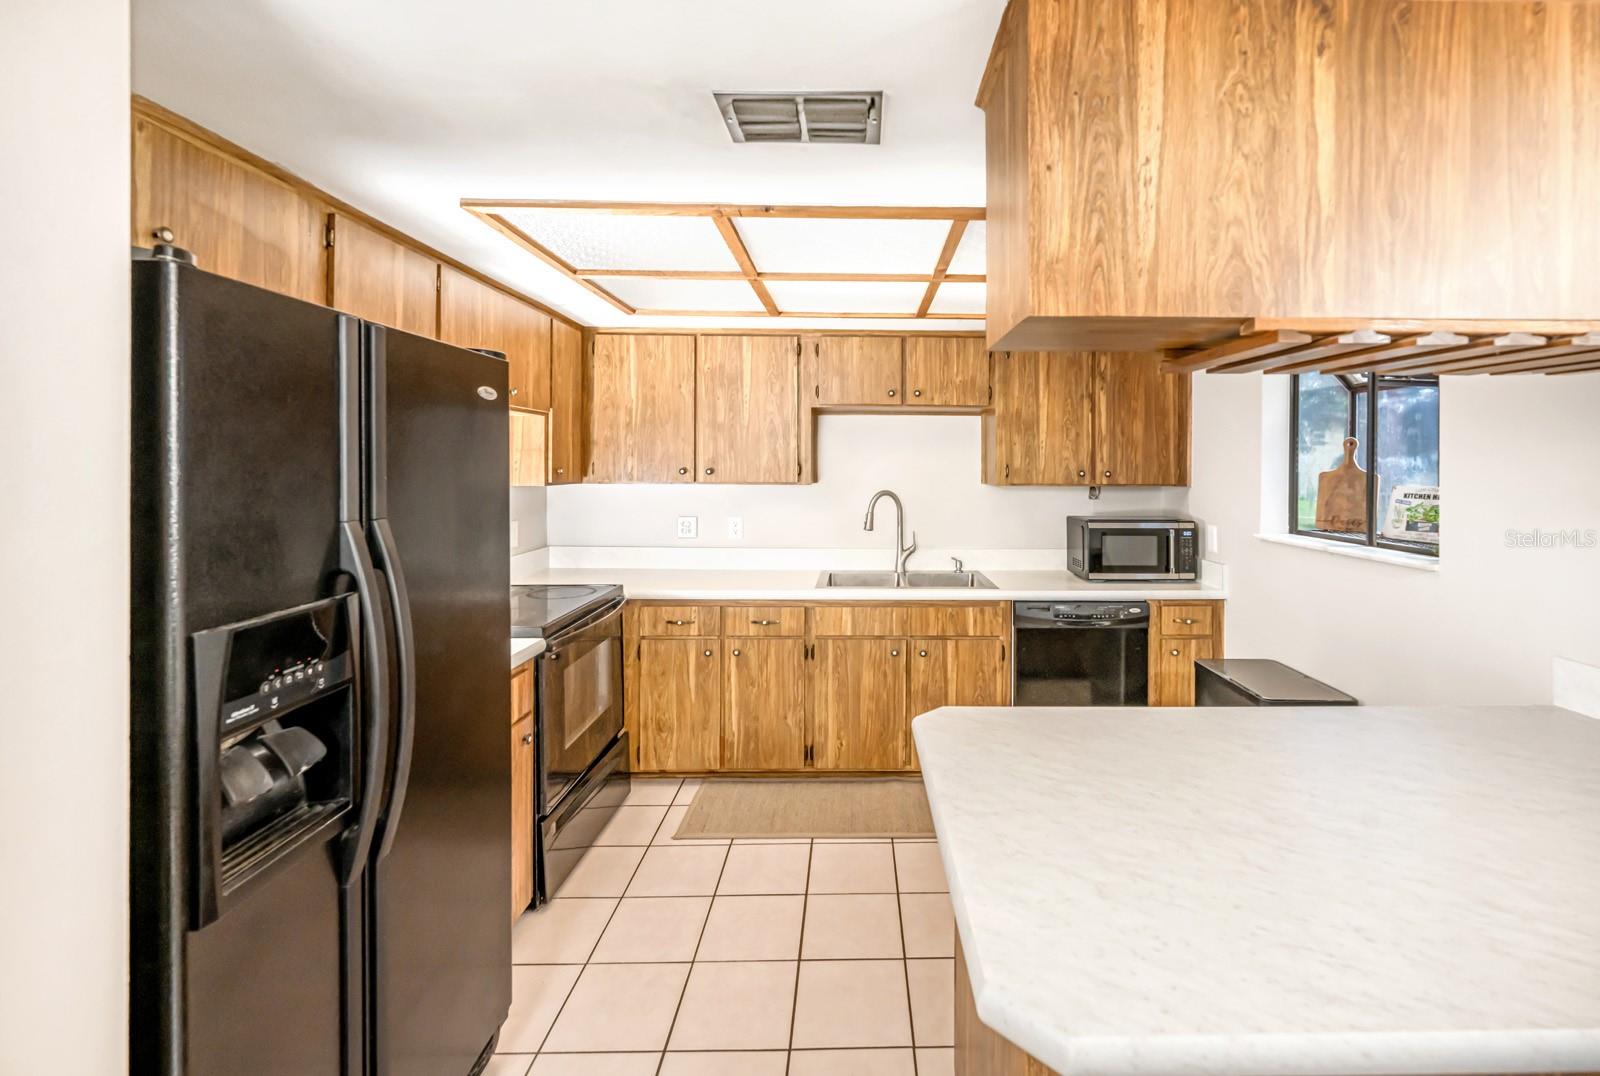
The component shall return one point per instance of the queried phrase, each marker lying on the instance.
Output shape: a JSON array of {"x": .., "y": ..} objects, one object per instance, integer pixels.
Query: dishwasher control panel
[{"x": 1081, "y": 613}]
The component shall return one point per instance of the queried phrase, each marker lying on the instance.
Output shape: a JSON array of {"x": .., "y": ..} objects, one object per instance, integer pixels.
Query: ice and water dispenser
[{"x": 275, "y": 706}]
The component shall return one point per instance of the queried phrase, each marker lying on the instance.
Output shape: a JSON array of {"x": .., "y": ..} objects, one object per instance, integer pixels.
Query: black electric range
[{"x": 541, "y": 611}]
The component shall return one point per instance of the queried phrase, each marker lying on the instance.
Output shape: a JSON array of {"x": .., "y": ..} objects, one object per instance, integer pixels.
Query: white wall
[
  {"x": 931, "y": 461},
  {"x": 528, "y": 513},
  {"x": 64, "y": 536},
  {"x": 1515, "y": 452}
]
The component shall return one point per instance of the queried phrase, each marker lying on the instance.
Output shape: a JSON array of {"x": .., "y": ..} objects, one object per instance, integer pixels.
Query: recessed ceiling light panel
[{"x": 781, "y": 116}]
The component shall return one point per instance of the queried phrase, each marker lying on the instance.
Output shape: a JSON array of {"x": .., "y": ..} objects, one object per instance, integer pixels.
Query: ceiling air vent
[{"x": 803, "y": 117}]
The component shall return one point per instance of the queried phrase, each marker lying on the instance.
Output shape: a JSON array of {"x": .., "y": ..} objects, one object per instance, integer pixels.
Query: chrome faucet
[{"x": 902, "y": 552}]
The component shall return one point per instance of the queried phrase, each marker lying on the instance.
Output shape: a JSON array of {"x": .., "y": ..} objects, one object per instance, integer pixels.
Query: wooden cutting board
[{"x": 1342, "y": 495}]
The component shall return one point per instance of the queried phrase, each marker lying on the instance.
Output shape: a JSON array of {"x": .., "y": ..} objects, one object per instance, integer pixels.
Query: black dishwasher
[{"x": 1081, "y": 653}]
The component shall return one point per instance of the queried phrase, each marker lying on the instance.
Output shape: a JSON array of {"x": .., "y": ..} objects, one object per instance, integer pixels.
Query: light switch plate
[
  {"x": 688, "y": 526},
  {"x": 1211, "y": 538},
  {"x": 736, "y": 527}
]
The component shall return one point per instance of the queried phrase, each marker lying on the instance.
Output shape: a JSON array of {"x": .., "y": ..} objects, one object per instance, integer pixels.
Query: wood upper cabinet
[
  {"x": 237, "y": 220},
  {"x": 955, "y": 672},
  {"x": 568, "y": 420},
  {"x": 678, "y": 705},
  {"x": 641, "y": 407},
  {"x": 764, "y": 704},
  {"x": 1397, "y": 194},
  {"x": 859, "y": 719},
  {"x": 522, "y": 820},
  {"x": 1041, "y": 431},
  {"x": 378, "y": 279},
  {"x": 854, "y": 370},
  {"x": 530, "y": 457},
  {"x": 1141, "y": 420},
  {"x": 947, "y": 371},
  {"x": 472, "y": 314},
  {"x": 747, "y": 419}
]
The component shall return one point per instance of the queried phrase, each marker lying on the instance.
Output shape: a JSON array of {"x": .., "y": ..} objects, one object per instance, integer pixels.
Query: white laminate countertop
[
  {"x": 1283, "y": 892},
  {"x": 764, "y": 584},
  {"x": 525, "y": 650}
]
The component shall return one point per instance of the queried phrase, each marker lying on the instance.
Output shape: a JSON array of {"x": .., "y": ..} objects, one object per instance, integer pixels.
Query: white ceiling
[{"x": 403, "y": 108}]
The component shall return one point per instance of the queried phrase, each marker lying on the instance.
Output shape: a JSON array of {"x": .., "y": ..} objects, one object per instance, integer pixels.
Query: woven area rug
[{"x": 812, "y": 807}]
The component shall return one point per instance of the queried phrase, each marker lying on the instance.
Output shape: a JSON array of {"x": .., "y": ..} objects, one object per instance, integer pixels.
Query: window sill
[{"x": 1416, "y": 561}]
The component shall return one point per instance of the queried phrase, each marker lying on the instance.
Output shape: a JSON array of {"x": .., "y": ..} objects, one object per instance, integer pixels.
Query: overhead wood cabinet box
[{"x": 1162, "y": 172}]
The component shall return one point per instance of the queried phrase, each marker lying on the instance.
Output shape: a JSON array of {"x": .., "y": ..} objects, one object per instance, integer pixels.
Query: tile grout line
[
  {"x": 799, "y": 956},
  {"x": 905, "y": 958},
  {"x": 568, "y": 996},
  {"x": 678, "y": 1008}
]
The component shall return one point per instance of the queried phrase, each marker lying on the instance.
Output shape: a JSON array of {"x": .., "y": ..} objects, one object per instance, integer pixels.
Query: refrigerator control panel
[{"x": 276, "y": 663}]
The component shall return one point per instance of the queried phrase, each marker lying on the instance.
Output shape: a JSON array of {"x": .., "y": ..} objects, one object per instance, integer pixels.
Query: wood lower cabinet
[
  {"x": 764, "y": 704},
  {"x": 747, "y": 413},
  {"x": 859, "y": 719},
  {"x": 568, "y": 419},
  {"x": 947, "y": 371},
  {"x": 955, "y": 672},
  {"x": 522, "y": 777},
  {"x": 1041, "y": 431},
  {"x": 678, "y": 708},
  {"x": 1181, "y": 633},
  {"x": 378, "y": 279},
  {"x": 861, "y": 371},
  {"x": 641, "y": 406}
]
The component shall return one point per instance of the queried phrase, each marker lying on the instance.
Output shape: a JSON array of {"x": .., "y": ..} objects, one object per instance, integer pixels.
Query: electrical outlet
[
  {"x": 514, "y": 534},
  {"x": 688, "y": 526},
  {"x": 736, "y": 527}
]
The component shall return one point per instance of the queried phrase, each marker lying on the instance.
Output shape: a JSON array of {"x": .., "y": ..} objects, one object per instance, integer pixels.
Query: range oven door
[
  {"x": 1137, "y": 551},
  {"x": 580, "y": 702}
]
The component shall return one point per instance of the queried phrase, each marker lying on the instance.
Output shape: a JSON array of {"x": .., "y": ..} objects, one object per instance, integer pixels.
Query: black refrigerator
[{"x": 320, "y": 845}]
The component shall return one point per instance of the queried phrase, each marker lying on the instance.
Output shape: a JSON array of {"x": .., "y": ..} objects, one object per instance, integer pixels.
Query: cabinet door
[
  {"x": 947, "y": 371},
  {"x": 764, "y": 717},
  {"x": 680, "y": 704},
  {"x": 566, "y": 403},
  {"x": 1141, "y": 421},
  {"x": 954, "y": 672},
  {"x": 378, "y": 279},
  {"x": 1041, "y": 432},
  {"x": 859, "y": 704},
  {"x": 237, "y": 221},
  {"x": 747, "y": 417},
  {"x": 641, "y": 407},
  {"x": 1172, "y": 669},
  {"x": 860, "y": 370},
  {"x": 472, "y": 314},
  {"x": 529, "y": 448},
  {"x": 522, "y": 820}
]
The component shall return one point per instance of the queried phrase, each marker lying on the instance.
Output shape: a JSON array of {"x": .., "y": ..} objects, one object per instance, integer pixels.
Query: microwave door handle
[
  {"x": 377, "y": 676},
  {"x": 1172, "y": 551},
  {"x": 407, "y": 648}
]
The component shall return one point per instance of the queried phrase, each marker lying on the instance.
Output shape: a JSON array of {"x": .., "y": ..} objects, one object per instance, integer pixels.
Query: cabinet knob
[
  {"x": 914, "y": 392},
  {"x": 711, "y": 470},
  {"x": 735, "y": 651},
  {"x": 708, "y": 653},
  {"x": 1187, "y": 620},
  {"x": 1082, "y": 473},
  {"x": 764, "y": 623},
  {"x": 1108, "y": 474},
  {"x": 1174, "y": 653},
  {"x": 513, "y": 392},
  {"x": 680, "y": 623},
  {"x": 552, "y": 655},
  {"x": 162, "y": 234},
  {"x": 891, "y": 392},
  {"x": 922, "y": 653},
  {"x": 894, "y": 653},
  {"x": 560, "y": 471},
  {"x": 527, "y": 737},
  {"x": 683, "y": 470}
]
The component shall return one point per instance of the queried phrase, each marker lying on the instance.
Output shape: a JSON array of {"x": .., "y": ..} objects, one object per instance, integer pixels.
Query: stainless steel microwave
[{"x": 1133, "y": 548}]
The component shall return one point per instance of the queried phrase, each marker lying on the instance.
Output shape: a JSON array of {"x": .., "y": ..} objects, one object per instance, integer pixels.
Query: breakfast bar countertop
[{"x": 1261, "y": 892}]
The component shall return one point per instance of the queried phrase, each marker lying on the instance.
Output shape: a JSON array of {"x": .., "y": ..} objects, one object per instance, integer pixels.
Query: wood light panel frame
[
  {"x": 1414, "y": 349},
  {"x": 723, "y": 218}
]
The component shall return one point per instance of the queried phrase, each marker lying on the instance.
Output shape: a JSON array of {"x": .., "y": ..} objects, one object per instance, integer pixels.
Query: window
[{"x": 1386, "y": 492}]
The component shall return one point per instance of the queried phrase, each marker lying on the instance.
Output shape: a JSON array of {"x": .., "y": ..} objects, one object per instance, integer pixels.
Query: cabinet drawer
[
  {"x": 859, "y": 620},
  {"x": 522, "y": 693},
  {"x": 956, "y": 620},
  {"x": 680, "y": 620},
  {"x": 752, "y": 621},
  {"x": 1188, "y": 619}
]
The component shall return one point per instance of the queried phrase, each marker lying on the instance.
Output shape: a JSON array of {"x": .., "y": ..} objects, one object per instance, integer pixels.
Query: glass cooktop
[{"x": 538, "y": 611}]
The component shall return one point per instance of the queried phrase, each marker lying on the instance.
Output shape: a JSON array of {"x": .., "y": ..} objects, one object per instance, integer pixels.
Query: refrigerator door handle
[
  {"x": 406, "y": 731},
  {"x": 377, "y": 676}
]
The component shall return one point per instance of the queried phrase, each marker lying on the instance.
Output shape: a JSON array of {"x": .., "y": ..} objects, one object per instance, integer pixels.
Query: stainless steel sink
[{"x": 913, "y": 580}]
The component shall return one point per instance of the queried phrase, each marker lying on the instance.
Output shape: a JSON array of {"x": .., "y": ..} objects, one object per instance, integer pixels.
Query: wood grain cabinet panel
[
  {"x": 947, "y": 371},
  {"x": 1041, "y": 431},
  {"x": 859, "y": 704},
  {"x": 522, "y": 815},
  {"x": 930, "y": 619},
  {"x": 679, "y": 704},
  {"x": 378, "y": 279},
  {"x": 834, "y": 619},
  {"x": 1172, "y": 669},
  {"x": 764, "y": 704},
  {"x": 1141, "y": 421},
  {"x": 530, "y": 456},
  {"x": 855, "y": 370},
  {"x": 1197, "y": 619},
  {"x": 568, "y": 420},
  {"x": 954, "y": 672},
  {"x": 236, "y": 220},
  {"x": 522, "y": 693},
  {"x": 747, "y": 417},
  {"x": 755, "y": 621},
  {"x": 641, "y": 408},
  {"x": 680, "y": 620},
  {"x": 472, "y": 314}
]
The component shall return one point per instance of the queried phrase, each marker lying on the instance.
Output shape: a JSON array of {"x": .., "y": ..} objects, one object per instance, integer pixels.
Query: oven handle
[{"x": 566, "y": 635}]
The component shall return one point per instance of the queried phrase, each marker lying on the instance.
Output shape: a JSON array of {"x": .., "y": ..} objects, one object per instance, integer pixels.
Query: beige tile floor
[{"x": 734, "y": 958}]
